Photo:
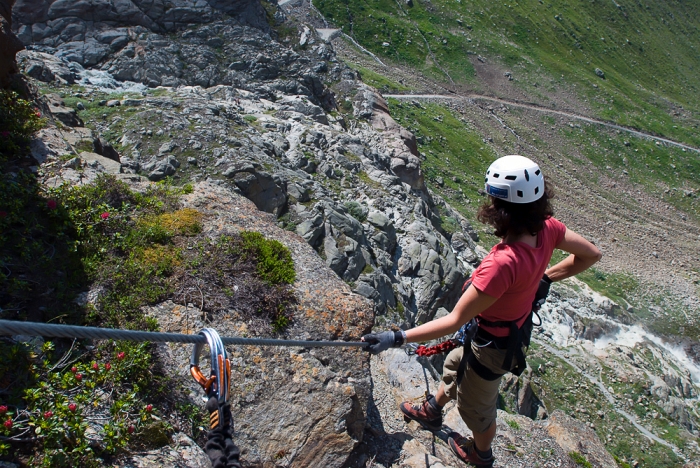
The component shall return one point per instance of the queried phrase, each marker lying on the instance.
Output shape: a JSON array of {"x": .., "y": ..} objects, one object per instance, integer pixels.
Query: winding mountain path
[{"x": 475, "y": 97}]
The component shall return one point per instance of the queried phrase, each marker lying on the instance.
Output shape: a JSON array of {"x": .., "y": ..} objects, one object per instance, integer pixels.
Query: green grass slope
[{"x": 648, "y": 51}]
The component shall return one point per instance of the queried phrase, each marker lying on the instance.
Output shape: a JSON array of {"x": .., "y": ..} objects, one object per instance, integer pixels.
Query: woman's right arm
[{"x": 583, "y": 255}]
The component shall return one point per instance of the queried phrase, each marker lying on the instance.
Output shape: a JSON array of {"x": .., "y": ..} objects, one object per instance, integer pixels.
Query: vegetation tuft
[{"x": 19, "y": 119}]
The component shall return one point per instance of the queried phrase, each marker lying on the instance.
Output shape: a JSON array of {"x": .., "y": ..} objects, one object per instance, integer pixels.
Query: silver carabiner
[
  {"x": 410, "y": 348},
  {"x": 217, "y": 384}
]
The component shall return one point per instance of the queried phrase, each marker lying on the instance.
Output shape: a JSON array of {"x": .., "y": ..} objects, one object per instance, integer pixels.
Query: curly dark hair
[{"x": 517, "y": 218}]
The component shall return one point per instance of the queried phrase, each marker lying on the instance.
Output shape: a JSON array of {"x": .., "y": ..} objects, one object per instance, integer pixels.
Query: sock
[
  {"x": 484, "y": 455},
  {"x": 433, "y": 402}
]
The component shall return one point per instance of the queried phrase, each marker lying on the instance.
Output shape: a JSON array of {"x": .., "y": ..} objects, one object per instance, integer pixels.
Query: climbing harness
[{"x": 471, "y": 332}]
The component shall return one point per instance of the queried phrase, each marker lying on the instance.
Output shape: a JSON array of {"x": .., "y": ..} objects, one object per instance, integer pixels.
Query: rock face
[
  {"x": 303, "y": 406},
  {"x": 9, "y": 44},
  {"x": 401, "y": 144}
]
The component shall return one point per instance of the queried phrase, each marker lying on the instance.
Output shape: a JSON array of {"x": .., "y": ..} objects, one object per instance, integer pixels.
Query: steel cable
[{"x": 11, "y": 327}]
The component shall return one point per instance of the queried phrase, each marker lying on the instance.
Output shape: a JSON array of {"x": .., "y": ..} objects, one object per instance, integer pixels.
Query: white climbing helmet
[{"x": 515, "y": 179}]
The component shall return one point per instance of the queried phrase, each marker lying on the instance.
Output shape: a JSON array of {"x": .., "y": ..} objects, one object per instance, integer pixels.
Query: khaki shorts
[{"x": 476, "y": 398}]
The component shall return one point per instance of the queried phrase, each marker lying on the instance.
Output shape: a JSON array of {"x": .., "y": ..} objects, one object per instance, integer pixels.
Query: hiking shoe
[
  {"x": 426, "y": 414},
  {"x": 464, "y": 448}
]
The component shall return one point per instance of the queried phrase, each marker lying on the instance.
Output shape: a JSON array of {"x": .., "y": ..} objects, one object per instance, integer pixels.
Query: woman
[{"x": 500, "y": 294}]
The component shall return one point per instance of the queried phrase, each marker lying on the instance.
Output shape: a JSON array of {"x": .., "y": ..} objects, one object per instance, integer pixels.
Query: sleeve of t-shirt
[
  {"x": 495, "y": 274},
  {"x": 558, "y": 230}
]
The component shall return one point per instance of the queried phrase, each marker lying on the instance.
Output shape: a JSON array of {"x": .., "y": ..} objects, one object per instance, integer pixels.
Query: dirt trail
[{"x": 473, "y": 97}]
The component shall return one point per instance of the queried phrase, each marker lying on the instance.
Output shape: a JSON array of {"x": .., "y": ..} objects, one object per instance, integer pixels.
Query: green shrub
[
  {"x": 580, "y": 459},
  {"x": 274, "y": 261},
  {"x": 19, "y": 119},
  {"x": 357, "y": 211}
]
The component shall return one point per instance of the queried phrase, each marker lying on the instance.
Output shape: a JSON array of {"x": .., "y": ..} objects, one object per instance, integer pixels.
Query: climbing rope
[
  {"x": 440, "y": 348},
  {"x": 11, "y": 327}
]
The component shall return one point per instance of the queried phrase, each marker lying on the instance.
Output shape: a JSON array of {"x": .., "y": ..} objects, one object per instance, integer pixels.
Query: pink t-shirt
[{"x": 512, "y": 273}]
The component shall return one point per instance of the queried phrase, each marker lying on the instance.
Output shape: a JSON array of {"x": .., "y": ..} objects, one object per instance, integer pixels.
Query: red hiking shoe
[
  {"x": 464, "y": 448},
  {"x": 427, "y": 415}
]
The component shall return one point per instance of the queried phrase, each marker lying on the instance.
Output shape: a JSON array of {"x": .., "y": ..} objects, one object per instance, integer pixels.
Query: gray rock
[
  {"x": 167, "y": 147},
  {"x": 242, "y": 166},
  {"x": 335, "y": 259},
  {"x": 73, "y": 163},
  {"x": 600, "y": 73},
  {"x": 345, "y": 224},
  {"x": 163, "y": 168},
  {"x": 262, "y": 189},
  {"x": 66, "y": 116},
  {"x": 311, "y": 229},
  {"x": 103, "y": 164},
  {"x": 295, "y": 190},
  {"x": 105, "y": 149},
  {"x": 356, "y": 263}
]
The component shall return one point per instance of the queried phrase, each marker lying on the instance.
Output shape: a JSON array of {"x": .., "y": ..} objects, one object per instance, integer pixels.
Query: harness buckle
[{"x": 218, "y": 382}]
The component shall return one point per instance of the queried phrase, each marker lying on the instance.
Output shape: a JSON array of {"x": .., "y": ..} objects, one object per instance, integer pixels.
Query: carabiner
[
  {"x": 219, "y": 380},
  {"x": 410, "y": 348}
]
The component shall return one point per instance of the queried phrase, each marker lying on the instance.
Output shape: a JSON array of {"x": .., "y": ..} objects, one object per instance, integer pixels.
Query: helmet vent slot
[
  {"x": 537, "y": 172},
  {"x": 527, "y": 175},
  {"x": 511, "y": 177},
  {"x": 537, "y": 190},
  {"x": 495, "y": 176},
  {"x": 520, "y": 193}
]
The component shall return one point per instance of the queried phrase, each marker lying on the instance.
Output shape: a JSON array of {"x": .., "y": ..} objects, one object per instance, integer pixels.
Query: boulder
[
  {"x": 105, "y": 149},
  {"x": 261, "y": 188},
  {"x": 164, "y": 168},
  {"x": 335, "y": 258},
  {"x": 311, "y": 229},
  {"x": 101, "y": 163},
  {"x": 65, "y": 115}
]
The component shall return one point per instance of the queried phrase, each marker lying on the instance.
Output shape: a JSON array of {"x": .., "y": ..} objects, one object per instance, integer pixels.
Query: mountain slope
[{"x": 648, "y": 52}]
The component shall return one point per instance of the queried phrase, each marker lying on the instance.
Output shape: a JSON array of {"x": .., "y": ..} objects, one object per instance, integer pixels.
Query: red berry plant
[{"x": 80, "y": 411}]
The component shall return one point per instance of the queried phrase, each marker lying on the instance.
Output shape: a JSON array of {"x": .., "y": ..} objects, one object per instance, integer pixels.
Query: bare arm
[
  {"x": 583, "y": 255},
  {"x": 471, "y": 304}
]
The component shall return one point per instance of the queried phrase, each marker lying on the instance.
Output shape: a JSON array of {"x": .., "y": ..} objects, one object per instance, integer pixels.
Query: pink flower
[
  {"x": 74, "y": 369},
  {"x": 38, "y": 114},
  {"x": 95, "y": 366},
  {"x": 8, "y": 424},
  {"x": 121, "y": 355},
  {"x": 3, "y": 409},
  {"x": 48, "y": 414},
  {"x": 104, "y": 215},
  {"x": 78, "y": 377},
  {"x": 72, "y": 407},
  {"x": 130, "y": 429},
  {"x": 108, "y": 366},
  {"x": 51, "y": 204},
  {"x": 149, "y": 408}
]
